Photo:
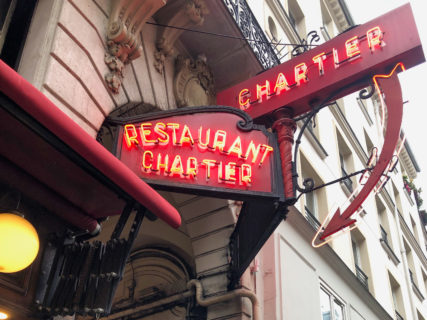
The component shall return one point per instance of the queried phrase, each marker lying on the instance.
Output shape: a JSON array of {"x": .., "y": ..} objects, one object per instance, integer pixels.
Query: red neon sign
[
  {"x": 339, "y": 63},
  {"x": 200, "y": 150},
  {"x": 390, "y": 86},
  {"x": 164, "y": 161}
]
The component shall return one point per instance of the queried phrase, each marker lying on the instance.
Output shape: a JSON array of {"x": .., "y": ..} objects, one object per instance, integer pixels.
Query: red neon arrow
[{"x": 394, "y": 103}]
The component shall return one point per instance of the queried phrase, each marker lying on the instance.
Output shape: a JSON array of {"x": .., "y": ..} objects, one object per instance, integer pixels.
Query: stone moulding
[
  {"x": 181, "y": 14},
  {"x": 193, "y": 83},
  {"x": 126, "y": 21}
]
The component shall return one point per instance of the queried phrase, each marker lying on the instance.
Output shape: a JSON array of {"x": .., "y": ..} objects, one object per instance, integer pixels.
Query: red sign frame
[
  {"x": 211, "y": 150},
  {"x": 342, "y": 64}
]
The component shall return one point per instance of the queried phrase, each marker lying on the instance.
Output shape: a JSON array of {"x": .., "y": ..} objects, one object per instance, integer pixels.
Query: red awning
[{"x": 50, "y": 158}]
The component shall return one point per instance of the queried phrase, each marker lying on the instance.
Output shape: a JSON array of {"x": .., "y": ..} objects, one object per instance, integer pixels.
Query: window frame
[
  {"x": 6, "y": 23},
  {"x": 334, "y": 299},
  {"x": 21, "y": 14}
]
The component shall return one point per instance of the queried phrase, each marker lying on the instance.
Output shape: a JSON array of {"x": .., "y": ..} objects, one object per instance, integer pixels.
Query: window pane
[
  {"x": 356, "y": 253},
  {"x": 338, "y": 310},
  {"x": 325, "y": 305},
  {"x": 310, "y": 203},
  {"x": 4, "y": 8}
]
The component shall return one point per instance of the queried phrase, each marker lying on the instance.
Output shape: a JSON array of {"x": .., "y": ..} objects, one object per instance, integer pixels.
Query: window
[
  {"x": 296, "y": 17},
  {"x": 386, "y": 221},
  {"x": 356, "y": 252},
  {"x": 310, "y": 203},
  {"x": 365, "y": 111},
  {"x": 396, "y": 294},
  {"x": 328, "y": 26},
  {"x": 15, "y": 19},
  {"x": 344, "y": 172},
  {"x": 425, "y": 282},
  {"x": 331, "y": 308},
  {"x": 397, "y": 199},
  {"x": 273, "y": 29},
  {"x": 272, "y": 32},
  {"x": 313, "y": 126},
  {"x": 310, "y": 208},
  {"x": 346, "y": 164},
  {"x": 369, "y": 145},
  {"x": 314, "y": 203},
  {"x": 414, "y": 229},
  {"x": 6, "y": 10},
  {"x": 360, "y": 255}
]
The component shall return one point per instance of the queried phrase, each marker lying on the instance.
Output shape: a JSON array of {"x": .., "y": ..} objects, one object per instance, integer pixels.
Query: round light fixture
[
  {"x": 3, "y": 315},
  {"x": 19, "y": 243}
]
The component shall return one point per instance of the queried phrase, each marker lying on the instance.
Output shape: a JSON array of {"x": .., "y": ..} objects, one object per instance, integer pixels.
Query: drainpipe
[
  {"x": 204, "y": 302},
  {"x": 156, "y": 306}
]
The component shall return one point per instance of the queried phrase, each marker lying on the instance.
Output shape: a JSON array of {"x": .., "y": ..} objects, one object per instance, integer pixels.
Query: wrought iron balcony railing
[
  {"x": 242, "y": 14},
  {"x": 312, "y": 219},
  {"x": 363, "y": 278}
]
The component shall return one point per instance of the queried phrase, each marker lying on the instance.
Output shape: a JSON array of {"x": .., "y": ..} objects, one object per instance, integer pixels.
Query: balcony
[
  {"x": 312, "y": 220},
  {"x": 232, "y": 59},
  {"x": 363, "y": 278},
  {"x": 415, "y": 287},
  {"x": 244, "y": 18},
  {"x": 386, "y": 246}
]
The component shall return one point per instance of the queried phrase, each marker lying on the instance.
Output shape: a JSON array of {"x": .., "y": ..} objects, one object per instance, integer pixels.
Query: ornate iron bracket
[
  {"x": 308, "y": 183},
  {"x": 334, "y": 181},
  {"x": 365, "y": 93},
  {"x": 306, "y": 44}
]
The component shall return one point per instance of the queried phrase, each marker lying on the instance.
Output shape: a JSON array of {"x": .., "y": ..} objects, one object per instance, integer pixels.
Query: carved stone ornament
[
  {"x": 127, "y": 18},
  {"x": 178, "y": 13},
  {"x": 193, "y": 83}
]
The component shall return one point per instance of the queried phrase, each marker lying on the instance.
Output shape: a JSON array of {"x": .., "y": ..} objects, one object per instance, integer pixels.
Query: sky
[{"x": 413, "y": 81}]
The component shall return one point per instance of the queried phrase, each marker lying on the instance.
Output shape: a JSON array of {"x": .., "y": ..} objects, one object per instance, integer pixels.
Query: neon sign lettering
[
  {"x": 352, "y": 51},
  {"x": 155, "y": 140}
]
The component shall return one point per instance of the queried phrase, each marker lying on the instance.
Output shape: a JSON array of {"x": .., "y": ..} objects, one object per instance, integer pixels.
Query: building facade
[
  {"x": 374, "y": 271},
  {"x": 100, "y": 59}
]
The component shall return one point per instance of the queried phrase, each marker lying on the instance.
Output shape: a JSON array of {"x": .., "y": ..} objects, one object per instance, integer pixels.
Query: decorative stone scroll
[
  {"x": 181, "y": 14},
  {"x": 127, "y": 18},
  {"x": 193, "y": 83}
]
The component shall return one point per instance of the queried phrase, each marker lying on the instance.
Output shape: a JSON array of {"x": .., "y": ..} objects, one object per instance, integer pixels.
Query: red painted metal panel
[
  {"x": 389, "y": 85},
  {"x": 400, "y": 43},
  {"x": 33, "y": 102}
]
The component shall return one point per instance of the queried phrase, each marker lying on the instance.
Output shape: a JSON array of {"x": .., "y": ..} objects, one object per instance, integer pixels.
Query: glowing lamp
[
  {"x": 3, "y": 315},
  {"x": 19, "y": 243}
]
